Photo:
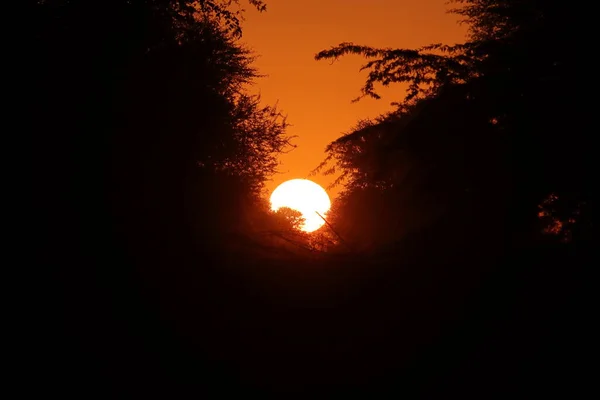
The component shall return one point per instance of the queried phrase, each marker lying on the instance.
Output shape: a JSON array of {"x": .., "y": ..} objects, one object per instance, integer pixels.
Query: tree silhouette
[
  {"x": 290, "y": 217},
  {"x": 475, "y": 119},
  {"x": 149, "y": 100},
  {"x": 149, "y": 151}
]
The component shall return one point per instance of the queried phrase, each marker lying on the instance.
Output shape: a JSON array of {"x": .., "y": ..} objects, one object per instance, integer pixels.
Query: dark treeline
[
  {"x": 151, "y": 156},
  {"x": 483, "y": 176},
  {"x": 462, "y": 234},
  {"x": 493, "y": 130}
]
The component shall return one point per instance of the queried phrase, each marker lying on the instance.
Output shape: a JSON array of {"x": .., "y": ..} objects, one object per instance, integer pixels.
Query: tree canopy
[
  {"x": 146, "y": 116},
  {"x": 499, "y": 114}
]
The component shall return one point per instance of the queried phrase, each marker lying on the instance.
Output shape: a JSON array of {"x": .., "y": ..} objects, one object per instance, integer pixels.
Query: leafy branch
[{"x": 426, "y": 70}]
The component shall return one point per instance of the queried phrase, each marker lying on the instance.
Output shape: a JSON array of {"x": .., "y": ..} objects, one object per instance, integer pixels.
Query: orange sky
[{"x": 316, "y": 95}]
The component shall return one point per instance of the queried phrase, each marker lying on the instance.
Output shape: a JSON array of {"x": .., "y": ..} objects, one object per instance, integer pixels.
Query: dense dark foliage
[
  {"x": 497, "y": 122},
  {"x": 150, "y": 157},
  {"x": 481, "y": 178}
]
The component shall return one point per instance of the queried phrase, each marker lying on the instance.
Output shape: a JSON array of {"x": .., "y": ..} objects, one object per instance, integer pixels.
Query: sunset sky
[{"x": 316, "y": 95}]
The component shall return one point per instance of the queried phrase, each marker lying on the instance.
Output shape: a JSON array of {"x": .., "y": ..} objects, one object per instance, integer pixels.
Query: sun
[{"x": 305, "y": 196}]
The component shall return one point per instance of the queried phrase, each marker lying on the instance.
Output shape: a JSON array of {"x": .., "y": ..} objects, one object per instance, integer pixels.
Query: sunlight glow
[{"x": 305, "y": 196}]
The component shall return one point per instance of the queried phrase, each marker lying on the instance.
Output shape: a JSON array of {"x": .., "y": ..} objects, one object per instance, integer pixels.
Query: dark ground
[{"x": 167, "y": 323}]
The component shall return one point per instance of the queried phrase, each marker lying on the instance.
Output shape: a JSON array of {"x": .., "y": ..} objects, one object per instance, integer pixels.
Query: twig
[{"x": 333, "y": 230}]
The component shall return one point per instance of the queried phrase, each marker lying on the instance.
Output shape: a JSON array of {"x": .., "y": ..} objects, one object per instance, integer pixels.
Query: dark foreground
[{"x": 424, "y": 322}]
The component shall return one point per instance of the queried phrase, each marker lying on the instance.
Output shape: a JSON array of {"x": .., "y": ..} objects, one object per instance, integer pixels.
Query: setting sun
[{"x": 305, "y": 196}]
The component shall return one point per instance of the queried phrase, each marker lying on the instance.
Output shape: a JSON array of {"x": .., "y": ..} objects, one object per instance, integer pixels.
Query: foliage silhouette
[
  {"x": 476, "y": 119},
  {"x": 150, "y": 157},
  {"x": 292, "y": 217}
]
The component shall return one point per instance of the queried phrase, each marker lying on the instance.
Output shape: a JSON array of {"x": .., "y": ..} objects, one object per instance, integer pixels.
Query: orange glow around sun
[{"x": 305, "y": 196}]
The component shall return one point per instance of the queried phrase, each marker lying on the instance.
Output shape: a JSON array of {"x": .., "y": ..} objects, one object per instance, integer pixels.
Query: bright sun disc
[{"x": 305, "y": 196}]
